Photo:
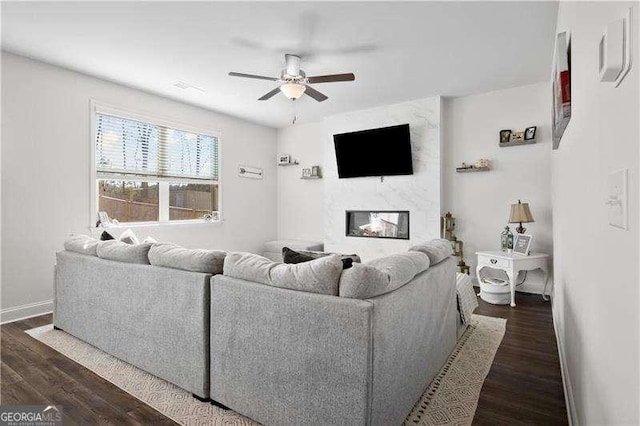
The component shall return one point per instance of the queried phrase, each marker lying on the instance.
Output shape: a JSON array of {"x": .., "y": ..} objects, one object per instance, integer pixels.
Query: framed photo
[
  {"x": 315, "y": 171},
  {"x": 103, "y": 219},
  {"x": 517, "y": 136},
  {"x": 505, "y": 136},
  {"x": 530, "y": 133},
  {"x": 306, "y": 173},
  {"x": 521, "y": 244},
  {"x": 284, "y": 159}
]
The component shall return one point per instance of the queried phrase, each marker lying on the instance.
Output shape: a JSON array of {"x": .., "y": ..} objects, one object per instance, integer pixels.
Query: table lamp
[{"x": 520, "y": 213}]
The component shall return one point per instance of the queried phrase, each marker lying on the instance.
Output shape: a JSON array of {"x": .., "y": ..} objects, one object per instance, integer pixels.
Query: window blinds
[{"x": 130, "y": 147}]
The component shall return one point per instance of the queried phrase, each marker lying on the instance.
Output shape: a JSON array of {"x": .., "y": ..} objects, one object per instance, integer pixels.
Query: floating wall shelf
[
  {"x": 311, "y": 177},
  {"x": 517, "y": 143},
  {"x": 472, "y": 169},
  {"x": 293, "y": 163}
]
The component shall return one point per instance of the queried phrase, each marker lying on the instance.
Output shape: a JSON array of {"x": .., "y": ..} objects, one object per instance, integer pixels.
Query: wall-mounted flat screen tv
[{"x": 376, "y": 152}]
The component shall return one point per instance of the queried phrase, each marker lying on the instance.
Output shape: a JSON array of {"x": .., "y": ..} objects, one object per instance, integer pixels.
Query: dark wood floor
[{"x": 524, "y": 385}]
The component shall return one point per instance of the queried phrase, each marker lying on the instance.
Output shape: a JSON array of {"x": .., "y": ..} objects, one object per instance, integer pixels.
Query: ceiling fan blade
[
  {"x": 270, "y": 94},
  {"x": 315, "y": 94},
  {"x": 259, "y": 77},
  {"x": 332, "y": 78}
]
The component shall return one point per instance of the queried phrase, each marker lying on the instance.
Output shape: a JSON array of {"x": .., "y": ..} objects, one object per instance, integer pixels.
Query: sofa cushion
[
  {"x": 178, "y": 257},
  {"x": 316, "y": 276},
  {"x": 292, "y": 256},
  {"x": 437, "y": 250},
  {"x": 123, "y": 252},
  {"x": 82, "y": 244},
  {"x": 382, "y": 275}
]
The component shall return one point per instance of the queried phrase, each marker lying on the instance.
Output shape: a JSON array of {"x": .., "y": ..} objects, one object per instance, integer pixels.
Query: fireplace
[{"x": 393, "y": 224}]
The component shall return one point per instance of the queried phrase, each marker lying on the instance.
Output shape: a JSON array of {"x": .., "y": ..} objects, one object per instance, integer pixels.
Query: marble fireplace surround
[{"x": 418, "y": 193}]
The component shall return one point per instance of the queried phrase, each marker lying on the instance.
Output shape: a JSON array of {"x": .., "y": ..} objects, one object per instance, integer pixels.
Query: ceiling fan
[{"x": 293, "y": 82}]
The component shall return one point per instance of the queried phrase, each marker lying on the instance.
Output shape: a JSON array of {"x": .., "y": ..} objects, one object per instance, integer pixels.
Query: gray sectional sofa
[{"x": 281, "y": 344}]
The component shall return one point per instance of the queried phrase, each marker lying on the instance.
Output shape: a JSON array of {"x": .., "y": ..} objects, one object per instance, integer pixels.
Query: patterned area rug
[{"x": 451, "y": 398}]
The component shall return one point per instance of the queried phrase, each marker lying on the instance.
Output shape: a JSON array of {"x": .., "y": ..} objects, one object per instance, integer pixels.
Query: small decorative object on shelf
[
  {"x": 315, "y": 171},
  {"x": 481, "y": 165},
  {"x": 306, "y": 173},
  {"x": 506, "y": 240},
  {"x": 505, "y": 136}
]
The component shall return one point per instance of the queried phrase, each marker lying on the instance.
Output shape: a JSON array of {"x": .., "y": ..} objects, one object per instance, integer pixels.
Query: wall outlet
[{"x": 617, "y": 201}]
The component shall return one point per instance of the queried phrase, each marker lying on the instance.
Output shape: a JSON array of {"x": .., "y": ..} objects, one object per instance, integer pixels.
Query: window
[{"x": 150, "y": 172}]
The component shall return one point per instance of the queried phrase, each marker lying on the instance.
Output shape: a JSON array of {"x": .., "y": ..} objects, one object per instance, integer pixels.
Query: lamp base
[{"x": 521, "y": 229}]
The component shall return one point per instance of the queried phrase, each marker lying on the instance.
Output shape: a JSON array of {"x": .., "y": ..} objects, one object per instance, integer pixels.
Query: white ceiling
[{"x": 398, "y": 51}]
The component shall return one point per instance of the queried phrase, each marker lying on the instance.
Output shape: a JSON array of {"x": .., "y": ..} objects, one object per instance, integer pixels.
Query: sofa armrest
[{"x": 290, "y": 357}]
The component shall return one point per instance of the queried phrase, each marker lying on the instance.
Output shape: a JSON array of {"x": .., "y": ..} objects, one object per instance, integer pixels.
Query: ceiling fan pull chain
[{"x": 293, "y": 122}]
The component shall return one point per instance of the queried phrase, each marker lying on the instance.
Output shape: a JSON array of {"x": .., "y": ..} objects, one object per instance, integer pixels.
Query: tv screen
[{"x": 376, "y": 152}]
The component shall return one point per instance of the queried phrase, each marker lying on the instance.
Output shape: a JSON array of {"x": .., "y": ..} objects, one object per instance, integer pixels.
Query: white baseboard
[
  {"x": 566, "y": 380},
  {"x": 29, "y": 310}
]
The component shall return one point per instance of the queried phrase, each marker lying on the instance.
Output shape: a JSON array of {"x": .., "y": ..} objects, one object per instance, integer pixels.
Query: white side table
[{"x": 512, "y": 264}]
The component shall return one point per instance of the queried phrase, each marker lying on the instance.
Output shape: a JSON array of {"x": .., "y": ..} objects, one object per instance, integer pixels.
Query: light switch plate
[{"x": 618, "y": 198}]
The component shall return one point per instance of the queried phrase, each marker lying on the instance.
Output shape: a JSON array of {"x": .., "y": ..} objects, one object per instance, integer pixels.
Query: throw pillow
[
  {"x": 292, "y": 256},
  {"x": 105, "y": 236},
  {"x": 129, "y": 237}
]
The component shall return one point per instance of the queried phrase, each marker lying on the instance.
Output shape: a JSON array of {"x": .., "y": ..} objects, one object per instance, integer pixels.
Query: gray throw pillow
[
  {"x": 82, "y": 244},
  {"x": 437, "y": 250},
  {"x": 382, "y": 275},
  {"x": 177, "y": 257},
  {"x": 316, "y": 276},
  {"x": 123, "y": 252}
]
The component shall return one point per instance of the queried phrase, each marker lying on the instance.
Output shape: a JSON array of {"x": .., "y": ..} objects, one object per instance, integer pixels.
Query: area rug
[{"x": 451, "y": 398}]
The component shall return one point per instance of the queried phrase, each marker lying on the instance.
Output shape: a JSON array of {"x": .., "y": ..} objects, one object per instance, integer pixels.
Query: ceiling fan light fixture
[{"x": 293, "y": 90}]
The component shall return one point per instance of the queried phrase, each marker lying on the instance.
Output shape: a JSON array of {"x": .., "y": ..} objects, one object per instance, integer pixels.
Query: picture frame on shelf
[
  {"x": 306, "y": 173},
  {"x": 284, "y": 159},
  {"x": 315, "y": 171},
  {"x": 522, "y": 244},
  {"x": 530, "y": 133},
  {"x": 505, "y": 136}
]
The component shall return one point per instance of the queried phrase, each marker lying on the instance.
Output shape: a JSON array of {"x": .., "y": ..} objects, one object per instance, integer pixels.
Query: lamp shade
[
  {"x": 520, "y": 213},
  {"x": 293, "y": 90}
]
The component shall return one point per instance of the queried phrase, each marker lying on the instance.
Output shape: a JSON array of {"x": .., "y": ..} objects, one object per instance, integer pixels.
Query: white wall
[
  {"x": 300, "y": 202},
  {"x": 419, "y": 193},
  {"x": 480, "y": 201},
  {"x": 46, "y": 145},
  {"x": 595, "y": 301}
]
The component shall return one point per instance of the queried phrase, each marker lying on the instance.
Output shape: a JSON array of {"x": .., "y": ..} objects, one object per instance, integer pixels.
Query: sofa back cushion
[
  {"x": 82, "y": 244},
  {"x": 437, "y": 250},
  {"x": 382, "y": 275},
  {"x": 177, "y": 257},
  {"x": 123, "y": 252},
  {"x": 316, "y": 276}
]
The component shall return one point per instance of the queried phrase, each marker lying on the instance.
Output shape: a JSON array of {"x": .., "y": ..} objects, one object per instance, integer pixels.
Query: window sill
[{"x": 123, "y": 226}]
